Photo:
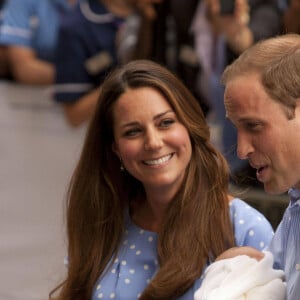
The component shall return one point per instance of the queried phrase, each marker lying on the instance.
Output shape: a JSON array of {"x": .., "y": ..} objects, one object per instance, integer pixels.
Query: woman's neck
[{"x": 149, "y": 213}]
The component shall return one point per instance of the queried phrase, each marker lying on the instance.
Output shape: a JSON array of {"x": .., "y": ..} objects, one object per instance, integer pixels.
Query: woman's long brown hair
[{"x": 197, "y": 226}]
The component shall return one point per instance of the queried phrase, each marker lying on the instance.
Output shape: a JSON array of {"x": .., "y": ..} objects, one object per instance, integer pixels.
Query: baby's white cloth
[{"x": 242, "y": 278}]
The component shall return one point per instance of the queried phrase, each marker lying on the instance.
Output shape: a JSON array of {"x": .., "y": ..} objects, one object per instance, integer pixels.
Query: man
[
  {"x": 262, "y": 99},
  {"x": 221, "y": 37}
]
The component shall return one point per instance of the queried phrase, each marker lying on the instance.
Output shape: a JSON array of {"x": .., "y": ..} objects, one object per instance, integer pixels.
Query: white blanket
[{"x": 242, "y": 278}]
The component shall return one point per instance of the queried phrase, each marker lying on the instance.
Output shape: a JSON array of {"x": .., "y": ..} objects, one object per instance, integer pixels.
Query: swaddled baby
[{"x": 242, "y": 278}]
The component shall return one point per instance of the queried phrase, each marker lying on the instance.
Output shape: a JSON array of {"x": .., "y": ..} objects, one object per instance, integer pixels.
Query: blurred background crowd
[
  {"x": 68, "y": 47},
  {"x": 72, "y": 44}
]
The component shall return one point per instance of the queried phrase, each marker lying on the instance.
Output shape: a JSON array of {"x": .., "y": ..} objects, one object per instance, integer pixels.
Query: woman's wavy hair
[
  {"x": 197, "y": 225},
  {"x": 277, "y": 61}
]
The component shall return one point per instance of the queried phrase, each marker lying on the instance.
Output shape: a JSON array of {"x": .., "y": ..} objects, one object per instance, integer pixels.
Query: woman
[{"x": 148, "y": 207}]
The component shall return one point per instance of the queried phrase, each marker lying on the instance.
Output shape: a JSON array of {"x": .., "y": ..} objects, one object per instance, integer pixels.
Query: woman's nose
[{"x": 153, "y": 140}]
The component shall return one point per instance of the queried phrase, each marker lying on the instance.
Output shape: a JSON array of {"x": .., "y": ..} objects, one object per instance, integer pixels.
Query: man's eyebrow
[{"x": 249, "y": 120}]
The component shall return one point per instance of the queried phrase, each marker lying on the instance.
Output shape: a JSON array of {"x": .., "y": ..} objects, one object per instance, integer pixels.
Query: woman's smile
[{"x": 158, "y": 161}]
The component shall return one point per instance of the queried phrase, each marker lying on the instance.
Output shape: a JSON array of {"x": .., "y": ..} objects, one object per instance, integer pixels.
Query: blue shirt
[
  {"x": 285, "y": 246},
  {"x": 33, "y": 24},
  {"x": 137, "y": 260}
]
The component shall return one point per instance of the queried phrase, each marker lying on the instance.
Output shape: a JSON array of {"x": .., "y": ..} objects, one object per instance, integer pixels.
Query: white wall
[{"x": 38, "y": 152}]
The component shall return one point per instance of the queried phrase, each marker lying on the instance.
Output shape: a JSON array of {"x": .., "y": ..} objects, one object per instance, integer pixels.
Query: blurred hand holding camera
[{"x": 234, "y": 26}]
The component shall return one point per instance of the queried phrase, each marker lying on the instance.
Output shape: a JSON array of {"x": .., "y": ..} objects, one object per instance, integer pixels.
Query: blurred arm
[
  {"x": 27, "y": 68},
  {"x": 82, "y": 110}
]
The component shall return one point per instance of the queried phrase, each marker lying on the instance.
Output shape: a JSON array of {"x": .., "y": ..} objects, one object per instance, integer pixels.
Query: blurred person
[
  {"x": 219, "y": 39},
  {"x": 262, "y": 100},
  {"x": 97, "y": 36},
  {"x": 148, "y": 206},
  {"x": 29, "y": 32},
  {"x": 175, "y": 47},
  {"x": 186, "y": 62}
]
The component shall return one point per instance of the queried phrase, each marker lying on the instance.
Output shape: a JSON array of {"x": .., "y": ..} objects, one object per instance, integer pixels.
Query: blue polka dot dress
[{"x": 137, "y": 261}]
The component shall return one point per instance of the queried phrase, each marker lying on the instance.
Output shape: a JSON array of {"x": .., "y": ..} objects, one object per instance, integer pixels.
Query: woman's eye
[
  {"x": 167, "y": 122},
  {"x": 132, "y": 132}
]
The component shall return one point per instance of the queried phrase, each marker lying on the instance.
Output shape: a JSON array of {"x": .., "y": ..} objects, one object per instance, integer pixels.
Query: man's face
[{"x": 266, "y": 137}]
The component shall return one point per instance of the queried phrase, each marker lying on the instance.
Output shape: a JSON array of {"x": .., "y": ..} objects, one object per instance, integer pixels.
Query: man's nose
[{"x": 244, "y": 146}]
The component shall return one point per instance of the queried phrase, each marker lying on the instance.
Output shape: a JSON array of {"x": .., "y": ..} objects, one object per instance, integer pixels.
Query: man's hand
[{"x": 245, "y": 250}]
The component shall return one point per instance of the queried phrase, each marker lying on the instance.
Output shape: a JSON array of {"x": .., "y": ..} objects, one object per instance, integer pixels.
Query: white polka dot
[
  {"x": 100, "y": 296},
  {"x": 116, "y": 261},
  {"x": 112, "y": 296},
  {"x": 113, "y": 271},
  {"x": 127, "y": 280},
  {"x": 156, "y": 262},
  {"x": 259, "y": 218},
  {"x": 251, "y": 232},
  {"x": 241, "y": 221},
  {"x": 146, "y": 267},
  {"x": 142, "y": 231},
  {"x": 131, "y": 271},
  {"x": 125, "y": 242},
  {"x": 98, "y": 287},
  {"x": 132, "y": 246},
  {"x": 235, "y": 215},
  {"x": 148, "y": 281},
  {"x": 138, "y": 252},
  {"x": 124, "y": 262},
  {"x": 139, "y": 295},
  {"x": 262, "y": 244},
  {"x": 150, "y": 238}
]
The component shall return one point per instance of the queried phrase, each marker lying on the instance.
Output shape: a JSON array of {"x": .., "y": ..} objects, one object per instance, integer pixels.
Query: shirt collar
[{"x": 294, "y": 196}]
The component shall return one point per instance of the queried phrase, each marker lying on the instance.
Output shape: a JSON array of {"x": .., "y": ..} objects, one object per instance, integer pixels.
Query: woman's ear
[{"x": 115, "y": 149}]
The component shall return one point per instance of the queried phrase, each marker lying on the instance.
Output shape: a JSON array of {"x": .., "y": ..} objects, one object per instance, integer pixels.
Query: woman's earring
[{"x": 121, "y": 166}]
